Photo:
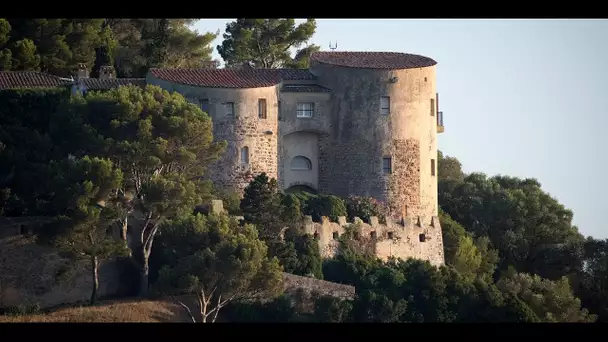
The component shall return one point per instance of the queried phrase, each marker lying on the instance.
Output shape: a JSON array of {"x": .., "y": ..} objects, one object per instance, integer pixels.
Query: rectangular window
[
  {"x": 305, "y": 109},
  {"x": 204, "y": 104},
  {"x": 387, "y": 166},
  {"x": 229, "y": 108},
  {"x": 262, "y": 108},
  {"x": 385, "y": 105},
  {"x": 245, "y": 155},
  {"x": 432, "y": 167},
  {"x": 432, "y": 107}
]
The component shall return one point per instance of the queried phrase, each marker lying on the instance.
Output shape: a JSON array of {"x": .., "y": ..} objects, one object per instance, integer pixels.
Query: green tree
[
  {"x": 83, "y": 186},
  {"x": 261, "y": 206},
  {"x": 449, "y": 168},
  {"x": 592, "y": 284},
  {"x": 230, "y": 263},
  {"x": 148, "y": 43},
  {"x": 521, "y": 221},
  {"x": 551, "y": 301},
  {"x": 330, "y": 309},
  {"x": 302, "y": 58},
  {"x": 161, "y": 143},
  {"x": 25, "y": 56},
  {"x": 266, "y": 43},
  {"x": 5, "y": 53}
]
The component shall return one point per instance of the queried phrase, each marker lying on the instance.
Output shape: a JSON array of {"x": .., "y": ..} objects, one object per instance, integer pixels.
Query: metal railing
[{"x": 439, "y": 118}]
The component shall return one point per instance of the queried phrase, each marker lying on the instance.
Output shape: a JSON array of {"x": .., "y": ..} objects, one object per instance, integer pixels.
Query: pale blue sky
[{"x": 526, "y": 98}]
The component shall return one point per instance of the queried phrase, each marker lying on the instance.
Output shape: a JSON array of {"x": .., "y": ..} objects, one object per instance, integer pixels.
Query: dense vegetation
[{"x": 130, "y": 160}]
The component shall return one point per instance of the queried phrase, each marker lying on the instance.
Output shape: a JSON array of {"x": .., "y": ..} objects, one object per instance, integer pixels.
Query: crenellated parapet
[{"x": 412, "y": 237}]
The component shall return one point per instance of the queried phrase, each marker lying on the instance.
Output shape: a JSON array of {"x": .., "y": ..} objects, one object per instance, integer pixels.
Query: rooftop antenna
[{"x": 334, "y": 47}]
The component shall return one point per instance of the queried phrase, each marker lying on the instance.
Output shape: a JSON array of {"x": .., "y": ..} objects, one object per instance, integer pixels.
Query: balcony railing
[{"x": 440, "y": 127}]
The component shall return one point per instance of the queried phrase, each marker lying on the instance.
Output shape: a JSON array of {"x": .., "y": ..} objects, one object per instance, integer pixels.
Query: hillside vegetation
[{"x": 126, "y": 163}]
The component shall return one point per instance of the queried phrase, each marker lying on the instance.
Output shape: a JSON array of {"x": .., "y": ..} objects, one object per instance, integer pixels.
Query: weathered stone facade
[
  {"x": 365, "y": 109},
  {"x": 414, "y": 237},
  {"x": 242, "y": 130}
]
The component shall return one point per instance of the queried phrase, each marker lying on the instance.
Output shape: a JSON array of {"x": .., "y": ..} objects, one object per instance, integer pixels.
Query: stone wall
[
  {"x": 294, "y": 283},
  {"x": 244, "y": 129},
  {"x": 35, "y": 275},
  {"x": 360, "y": 136},
  {"x": 414, "y": 237}
]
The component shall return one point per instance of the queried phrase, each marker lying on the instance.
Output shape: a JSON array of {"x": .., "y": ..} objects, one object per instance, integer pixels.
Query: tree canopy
[{"x": 267, "y": 43}]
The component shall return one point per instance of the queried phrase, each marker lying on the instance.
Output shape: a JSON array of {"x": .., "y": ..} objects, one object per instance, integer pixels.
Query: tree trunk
[
  {"x": 123, "y": 231},
  {"x": 95, "y": 274},
  {"x": 145, "y": 271}
]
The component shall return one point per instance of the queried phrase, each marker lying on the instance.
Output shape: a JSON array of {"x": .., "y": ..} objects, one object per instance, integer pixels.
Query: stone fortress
[{"x": 354, "y": 123}]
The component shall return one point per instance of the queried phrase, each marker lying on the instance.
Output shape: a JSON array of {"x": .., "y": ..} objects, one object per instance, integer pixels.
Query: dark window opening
[
  {"x": 432, "y": 167},
  {"x": 385, "y": 105},
  {"x": 262, "y": 108},
  {"x": 336, "y": 235},
  {"x": 422, "y": 237},
  {"x": 373, "y": 235},
  {"x": 432, "y": 107},
  {"x": 387, "y": 165},
  {"x": 204, "y": 104},
  {"x": 315, "y": 236},
  {"x": 391, "y": 235}
]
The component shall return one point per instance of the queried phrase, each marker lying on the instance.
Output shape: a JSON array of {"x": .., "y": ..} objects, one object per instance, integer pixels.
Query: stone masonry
[
  {"x": 353, "y": 123},
  {"x": 414, "y": 237}
]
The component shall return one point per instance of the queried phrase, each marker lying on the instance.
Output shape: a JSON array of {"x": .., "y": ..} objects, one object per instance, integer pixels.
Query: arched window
[
  {"x": 301, "y": 163},
  {"x": 245, "y": 155}
]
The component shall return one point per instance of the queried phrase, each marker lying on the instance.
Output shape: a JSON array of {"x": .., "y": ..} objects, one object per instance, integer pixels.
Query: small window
[
  {"x": 373, "y": 234},
  {"x": 432, "y": 167},
  {"x": 301, "y": 163},
  {"x": 262, "y": 108},
  {"x": 305, "y": 109},
  {"x": 336, "y": 235},
  {"x": 387, "y": 165},
  {"x": 245, "y": 155},
  {"x": 425, "y": 79},
  {"x": 422, "y": 237},
  {"x": 279, "y": 109},
  {"x": 229, "y": 108},
  {"x": 390, "y": 235},
  {"x": 204, "y": 104},
  {"x": 432, "y": 107},
  {"x": 385, "y": 105}
]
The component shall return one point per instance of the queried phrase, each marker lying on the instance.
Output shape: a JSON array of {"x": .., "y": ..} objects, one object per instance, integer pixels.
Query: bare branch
[{"x": 187, "y": 310}]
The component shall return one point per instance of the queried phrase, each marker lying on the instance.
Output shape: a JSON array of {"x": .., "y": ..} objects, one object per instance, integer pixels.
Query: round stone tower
[
  {"x": 247, "y": 119},
  {"x": 384, "y": 128}
]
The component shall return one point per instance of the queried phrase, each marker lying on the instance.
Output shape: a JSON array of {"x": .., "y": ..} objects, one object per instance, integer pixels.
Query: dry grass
[{"x": 110, "y": 312}]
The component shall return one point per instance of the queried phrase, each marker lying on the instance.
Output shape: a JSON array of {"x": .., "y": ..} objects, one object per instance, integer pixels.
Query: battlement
[{"x": 412, "y": 237}]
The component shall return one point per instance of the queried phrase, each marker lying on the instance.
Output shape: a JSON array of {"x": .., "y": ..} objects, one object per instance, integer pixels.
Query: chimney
[
  {"x": 83, "y": 72},
  {"x": 106, "y": 72}
]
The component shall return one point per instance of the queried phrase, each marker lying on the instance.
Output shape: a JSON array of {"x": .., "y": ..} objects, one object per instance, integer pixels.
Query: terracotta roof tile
[
  {"x": 104, "y": 84},
  {"x": 304, "y": 88},
  {"x": 373, "y": 60},
  {"x": 30, "y": 79},
  {"x": 231, "y": 78}
]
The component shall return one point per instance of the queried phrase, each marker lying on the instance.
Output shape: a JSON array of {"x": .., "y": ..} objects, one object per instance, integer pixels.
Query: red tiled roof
[
  {"x": 373, "y": 60},
  {"x": 30, "y": 79},
  {"x": 231, "y": 78}
]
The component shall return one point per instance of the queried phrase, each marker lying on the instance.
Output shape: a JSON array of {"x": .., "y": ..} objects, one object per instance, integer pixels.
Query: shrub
[
  {"x": 325, "y": 205},
  {"x": 364, "y": 208}
]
